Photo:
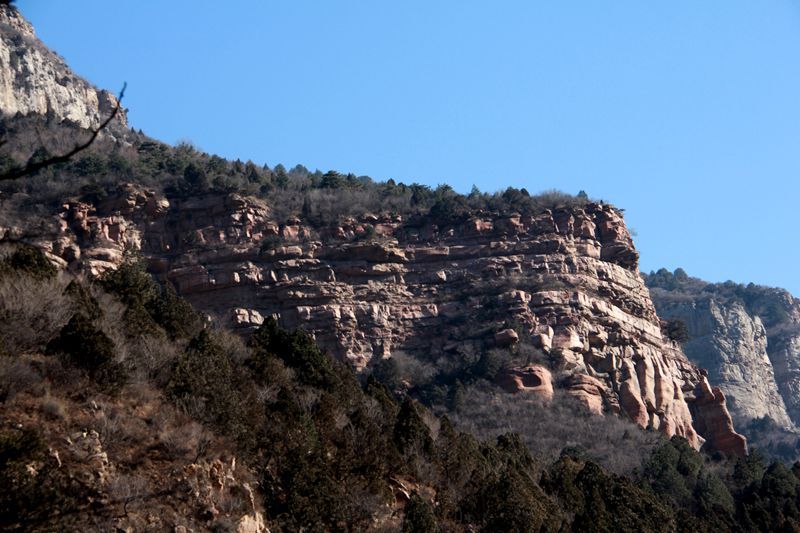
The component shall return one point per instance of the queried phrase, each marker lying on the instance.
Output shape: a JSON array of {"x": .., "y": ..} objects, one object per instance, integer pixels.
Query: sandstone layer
[{"x": 565, "y": 280}]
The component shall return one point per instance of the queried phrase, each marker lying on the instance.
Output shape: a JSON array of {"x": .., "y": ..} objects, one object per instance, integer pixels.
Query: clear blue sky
[{"x": 685, "y": 113}]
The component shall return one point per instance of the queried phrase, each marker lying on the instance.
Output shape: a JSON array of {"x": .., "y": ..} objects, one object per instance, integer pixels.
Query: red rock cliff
[{"x": 566, "y": 278}]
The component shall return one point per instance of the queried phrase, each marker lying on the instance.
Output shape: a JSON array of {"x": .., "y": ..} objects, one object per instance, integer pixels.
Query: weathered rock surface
[
  {"x": 535, "y": 380},
  {"x": 732, "y": 345},
  {"x": 33, "y": 79},
  {"x": 709, "y": 409},
  {"x": 748, "y": 337},
  {"x": 566, "y": 279}
]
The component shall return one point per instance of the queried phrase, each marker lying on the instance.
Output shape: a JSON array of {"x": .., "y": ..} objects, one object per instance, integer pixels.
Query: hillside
[
  {"x": 478, "y": 287},
  {"x": 191, "y": 343},
  {"x": 124, "y": 409}
]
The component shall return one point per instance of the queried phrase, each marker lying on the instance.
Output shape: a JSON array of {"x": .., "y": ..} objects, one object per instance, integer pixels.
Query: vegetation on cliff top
[{"x": 318, "y": 198}]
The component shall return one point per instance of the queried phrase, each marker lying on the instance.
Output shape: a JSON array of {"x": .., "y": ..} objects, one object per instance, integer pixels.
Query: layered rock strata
[{"x": 565, "y": 280}]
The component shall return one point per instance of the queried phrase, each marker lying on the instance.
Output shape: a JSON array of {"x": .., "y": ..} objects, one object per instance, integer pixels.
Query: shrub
[
  {"x": 88, "y": 348},
  {"x": 419, "y": 516},
  {"x": 174, "y": 314},
  {"x": 675, "y": 471},
  {"x": 411, "y": 435},
  {"x": 206, "y": 385},
  {"x": 32, "y": 311},
  {"x": 131, "y": 283},
  {"x": 297, "y": 350},
  {"x": 31, "y": 261},
  {"x": 676, "y": 330},
  {"x": 41, "y": 498},
  {"x": 16, "y": 375},
  {"x": 150, "y": 307},
  {"x": 83, "y": 301}
]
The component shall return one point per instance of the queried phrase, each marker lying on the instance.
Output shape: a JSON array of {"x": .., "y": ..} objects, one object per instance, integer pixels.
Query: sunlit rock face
[
  {"x": 564, "y": 281},
  {"x": 534, "y": 380},
  {"x": 748, "y": 337},
  {"x": 33, "y": 79}
]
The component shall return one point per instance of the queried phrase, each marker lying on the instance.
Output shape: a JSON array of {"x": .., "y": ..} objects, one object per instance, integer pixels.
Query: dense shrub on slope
[{"x": 327, "y": 452}]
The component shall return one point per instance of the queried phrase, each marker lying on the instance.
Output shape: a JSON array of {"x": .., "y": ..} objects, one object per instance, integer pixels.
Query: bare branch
[{"x": 32, "y": 168}]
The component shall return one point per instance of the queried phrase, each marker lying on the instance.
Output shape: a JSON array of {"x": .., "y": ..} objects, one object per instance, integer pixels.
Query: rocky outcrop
[
  {"x": 565, "y": 279},
  {"x": 732, "y": 345},
  {"x": 33, "y": 79},
  {"x": 747, "y": 336},
  {"x": 588, "y": 390},
  {"x": 535, "y": 380},
  {"x": 714, "y": 422}
]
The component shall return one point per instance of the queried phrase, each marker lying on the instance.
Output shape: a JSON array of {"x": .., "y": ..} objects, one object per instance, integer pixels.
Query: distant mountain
[{"x": 747, "y": 336}]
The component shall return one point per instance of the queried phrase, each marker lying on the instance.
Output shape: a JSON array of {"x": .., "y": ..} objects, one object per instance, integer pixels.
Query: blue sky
[{"x": 685, "y": 113}]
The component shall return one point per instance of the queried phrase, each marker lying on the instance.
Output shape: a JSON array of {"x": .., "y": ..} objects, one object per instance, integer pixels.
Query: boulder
[{"x": 535, "y": 380}]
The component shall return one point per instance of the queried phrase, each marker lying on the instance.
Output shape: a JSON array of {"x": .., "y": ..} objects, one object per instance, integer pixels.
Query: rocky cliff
[
  {"x": 563, "y": 280},
  {"x": 33, "y": 79},
  {"x": 747, "y": 336}
]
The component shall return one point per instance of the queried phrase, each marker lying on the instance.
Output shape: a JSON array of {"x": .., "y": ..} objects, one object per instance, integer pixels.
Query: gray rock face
[
  {"x": 33, "y": 79},
  {"x": 785, "y": 356},
  {"x": 747, "y": 337},
  {"x": 780, "y": 312},
  {"x": 732, "y": 345}
]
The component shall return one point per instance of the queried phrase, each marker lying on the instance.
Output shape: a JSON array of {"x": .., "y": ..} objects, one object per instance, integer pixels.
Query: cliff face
[
  {"x": 747, "y": 336},
  {"x": 732, "y": 345},
  {"x": 33, "y": 79},
  {"x": 565, "y": 279}
]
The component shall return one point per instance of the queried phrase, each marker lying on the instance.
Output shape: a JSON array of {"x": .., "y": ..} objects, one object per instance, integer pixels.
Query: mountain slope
[
  {"x": 123, "y": 410},
  {"x": 551, "y": 282}
]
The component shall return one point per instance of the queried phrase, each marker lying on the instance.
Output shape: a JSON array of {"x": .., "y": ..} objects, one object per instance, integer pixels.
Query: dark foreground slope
[{"x": 122, "y": 409}]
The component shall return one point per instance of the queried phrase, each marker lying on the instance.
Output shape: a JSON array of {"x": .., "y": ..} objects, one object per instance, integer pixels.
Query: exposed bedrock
[{"x": 565, "y": 280}]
